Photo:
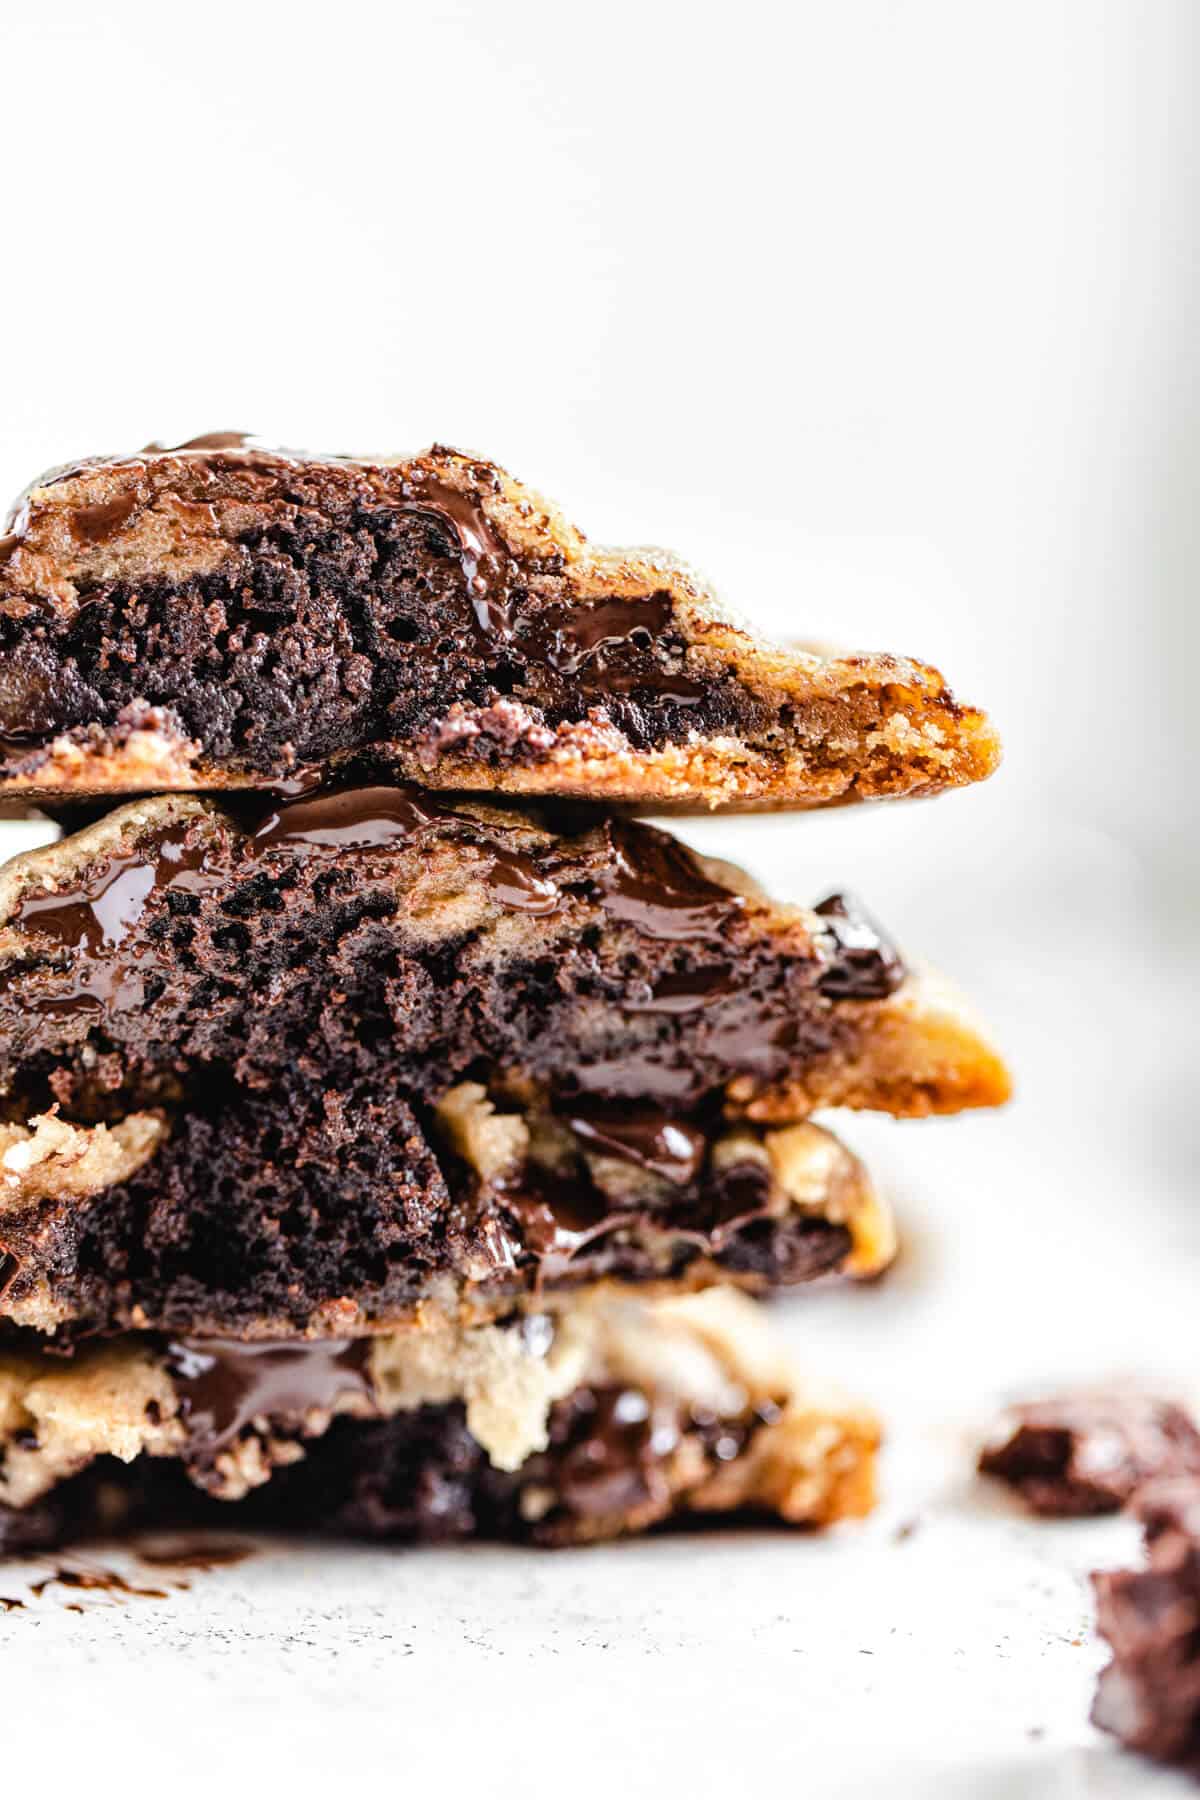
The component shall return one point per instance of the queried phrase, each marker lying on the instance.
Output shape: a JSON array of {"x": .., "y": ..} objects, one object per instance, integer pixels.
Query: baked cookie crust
[{"x": 221, "y": 614}]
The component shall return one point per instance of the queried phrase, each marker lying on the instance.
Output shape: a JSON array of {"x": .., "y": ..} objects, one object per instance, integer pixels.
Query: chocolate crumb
[
  {"x": 1149, "y": 1693},
  {"x": 1088, "y": 1452}
]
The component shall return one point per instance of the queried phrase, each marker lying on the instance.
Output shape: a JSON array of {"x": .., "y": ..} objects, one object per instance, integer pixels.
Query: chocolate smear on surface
[
  {"x": 95, "y": 1581},
  {"x": 97, "y": 524},
  {"x": 366, "y": 818}
]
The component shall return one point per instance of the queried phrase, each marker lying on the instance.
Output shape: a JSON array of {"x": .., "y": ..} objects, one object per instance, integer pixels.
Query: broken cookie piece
[
  {"x": 1089, "y": 1451},
  {"x": 321, "y": 1062},
  {"x": 221, "y": 615},
  {"x": 606, "y": 1417},
  {"x": 330, "y": 1219},
  {"x": 1149, "y": 1694}
]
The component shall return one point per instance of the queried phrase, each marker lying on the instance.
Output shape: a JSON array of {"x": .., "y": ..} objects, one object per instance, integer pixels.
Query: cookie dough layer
[
  {"x": 297, "y": 1069},
  {"x": 222, "y": 614},
  {"x": 562, "y": 1428}
]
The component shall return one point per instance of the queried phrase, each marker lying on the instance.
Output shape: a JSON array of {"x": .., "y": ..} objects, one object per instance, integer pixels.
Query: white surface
[{"x": 886, "y": 316}]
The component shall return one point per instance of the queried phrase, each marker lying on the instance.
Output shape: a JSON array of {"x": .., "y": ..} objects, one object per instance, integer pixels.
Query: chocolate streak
[{"x": 94, "y": 1581}]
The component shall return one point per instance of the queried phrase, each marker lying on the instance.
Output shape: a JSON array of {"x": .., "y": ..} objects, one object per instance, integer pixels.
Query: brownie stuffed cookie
[
  {"x": 367, "y": 1056},
  {"x": 223, "y": 615},
  {"x": 556, "y": 1428}
]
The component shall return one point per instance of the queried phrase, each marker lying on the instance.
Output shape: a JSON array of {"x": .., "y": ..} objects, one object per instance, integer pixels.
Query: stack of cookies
[{"x": 390, "y": 1119}]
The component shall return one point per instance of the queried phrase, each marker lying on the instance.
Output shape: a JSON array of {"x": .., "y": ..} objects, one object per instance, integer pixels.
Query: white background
[{"x": 885, "y": 315}]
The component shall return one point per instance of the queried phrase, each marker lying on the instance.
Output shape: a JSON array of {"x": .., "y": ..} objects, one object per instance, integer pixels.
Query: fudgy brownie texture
[
  {"x": 1089, "y": 1452},
  {"x": 1149, "y": 1694},
  {"x": 222, "y": 614},
  {"x": 609, "y": 1418},
  {"x": 300, "y": 1066}
]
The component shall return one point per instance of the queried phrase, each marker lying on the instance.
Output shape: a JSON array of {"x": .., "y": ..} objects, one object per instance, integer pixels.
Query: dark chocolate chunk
[
  {"x": 674, "y": 1149},
  {"x": 863, "y": 965}
]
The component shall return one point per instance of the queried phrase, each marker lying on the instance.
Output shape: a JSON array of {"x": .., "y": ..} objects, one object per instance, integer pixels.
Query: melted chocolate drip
[
  {"x": 224, "y": 1384},
  {"x": 656, "y": 885},
  {"x": 643, "y": 1135},
  {"x": 351, "y": 819},
  {"x": 864, "y": 965},
  {"x": 482, "y": 551}
]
